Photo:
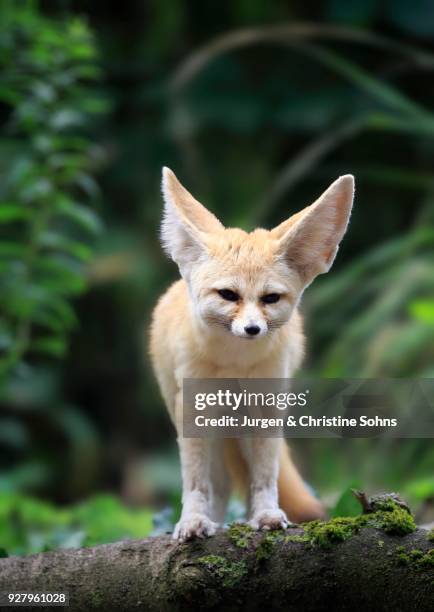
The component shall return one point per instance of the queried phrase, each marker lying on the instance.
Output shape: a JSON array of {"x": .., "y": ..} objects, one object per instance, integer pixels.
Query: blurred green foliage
[
  {"x": 29, "y": 526},
  {"x": 257, "y": 107},
  {"x": 347, "y": 504},
  {"x": 49, "y": 98},
  {"x": 385, "y": 294},
  {"x": 46, "y": 163}
]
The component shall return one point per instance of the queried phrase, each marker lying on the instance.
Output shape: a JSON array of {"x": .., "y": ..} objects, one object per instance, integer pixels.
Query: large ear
[
  {"x": 309, "y": 240},
  {"x": 186, "y": 223}
]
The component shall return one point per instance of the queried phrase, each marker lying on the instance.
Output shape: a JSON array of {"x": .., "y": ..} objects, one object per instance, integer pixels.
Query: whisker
[
  {"x": 276, "y": 323},
  {"x": 217, "y": 320}
]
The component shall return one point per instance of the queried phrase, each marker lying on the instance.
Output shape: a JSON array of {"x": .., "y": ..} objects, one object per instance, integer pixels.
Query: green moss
[
  {"x": 327, "y": 533},
  {"x": 427, "y": 559},
  {"x": 389, "y": 516},
  {"x": 415, "y": 558},
  {"x": 380, "y": 543},
  {"x": 402, "y": 557},
  {"x": 297, "y": 538},
  {"x": 393, "y": 519},
  {"x": 266, "y": 546},
  {"x": 431, "y": 535},
  {"x": 229, "y": 573},
  {"x": 384, "y": 503},
  {"x": 96, "y": 600},
  {"x": 416, "y": 553},
  {"x": 241, "y": 534},
  {"x": 211, "y": 560}
]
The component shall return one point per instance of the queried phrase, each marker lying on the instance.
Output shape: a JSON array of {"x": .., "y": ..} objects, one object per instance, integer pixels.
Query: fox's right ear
[{"x": 186, "y": 223}]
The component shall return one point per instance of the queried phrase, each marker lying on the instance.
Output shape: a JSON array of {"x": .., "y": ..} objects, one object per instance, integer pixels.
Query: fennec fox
[{"x": 234, "y": 315}]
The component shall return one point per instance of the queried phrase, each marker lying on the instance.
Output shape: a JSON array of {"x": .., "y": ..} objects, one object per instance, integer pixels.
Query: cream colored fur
[{"x": 196, "y": 333}]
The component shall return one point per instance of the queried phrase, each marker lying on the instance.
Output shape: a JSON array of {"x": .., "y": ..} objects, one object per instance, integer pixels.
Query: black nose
[{"x": 252, "y": 330}]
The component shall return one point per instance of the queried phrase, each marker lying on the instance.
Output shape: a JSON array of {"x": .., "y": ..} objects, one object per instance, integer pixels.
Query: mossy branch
[{"x": 379, "y": 561}]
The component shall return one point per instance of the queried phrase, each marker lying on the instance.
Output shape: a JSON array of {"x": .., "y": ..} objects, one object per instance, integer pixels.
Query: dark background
[{"x": 257, "y": 107}]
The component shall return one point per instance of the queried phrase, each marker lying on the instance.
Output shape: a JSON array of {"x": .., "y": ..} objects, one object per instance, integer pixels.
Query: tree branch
[{"x": 238, "y": 569}]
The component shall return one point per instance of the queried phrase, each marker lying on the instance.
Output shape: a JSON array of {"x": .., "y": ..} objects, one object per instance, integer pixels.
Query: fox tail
[{"x": 295, "y": 497}]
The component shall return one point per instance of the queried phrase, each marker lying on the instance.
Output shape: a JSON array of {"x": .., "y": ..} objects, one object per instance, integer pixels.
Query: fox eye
[
  {"x": 228, "y": 294},
  {"x": 270, "y": 298}
]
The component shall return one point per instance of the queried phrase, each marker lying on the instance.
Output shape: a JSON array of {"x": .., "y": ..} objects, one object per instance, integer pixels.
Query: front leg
[
  {"x": 262, "y": 456},
  {"x": 195, "y": 518}
]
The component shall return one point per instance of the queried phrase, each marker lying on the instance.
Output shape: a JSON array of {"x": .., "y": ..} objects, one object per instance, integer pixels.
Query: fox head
[{"x": 248, "y": 284}]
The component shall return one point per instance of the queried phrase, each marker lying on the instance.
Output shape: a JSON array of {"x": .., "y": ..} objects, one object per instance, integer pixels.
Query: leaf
[
  {"x": 60, "y": 274},
  {"x": 50, "y": 318},
  {"x": 421, "y": 489},
  {"x": 13, "y": 434},
  {"x": 12, "y": 249},
  {"x": 70, "y": 538},
  {"x": 68, "y": 161},
  {"x": 51, "y": 345},
  {"x": 83, "y": 216},
  {"x": 106, "y": 520},
  {"x": 88, "y": 71},
  {"x": 30, "y": 389},
  {"x": 66, "y": 118},
  {"x": 12, "y": 212},
  {"x": 54, "y": 240},
  {"x": 287, "y": 34},
  {"x": 44, "y": 91},
  {"x": 37, "y": 189},
  {"x": 29, "y": 525},
  {"x": 347, "y": 504},
  {"x": 422, "y": 310},
  {"x": 379, "y": 89},
  {"x": 65, "y": 313},
  {"x": 9, "y": 95},
  {"x": 95, "y": 106},
  {"x": 87, "y": 184},
  {"x": 23, "y": 300},
  {"x": 388, "y": 122},
  {"x": 6, "y": 337}
]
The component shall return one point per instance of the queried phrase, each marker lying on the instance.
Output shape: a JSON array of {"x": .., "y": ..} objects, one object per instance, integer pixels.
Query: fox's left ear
[
  {"x": 186, "y": 224},
  {"x": 310, "y": 239}
]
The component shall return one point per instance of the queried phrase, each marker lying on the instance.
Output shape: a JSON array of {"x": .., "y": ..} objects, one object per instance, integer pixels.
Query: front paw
[
  {"x": 269, "y": 519},
  {"x": 194, "y": 526}
]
